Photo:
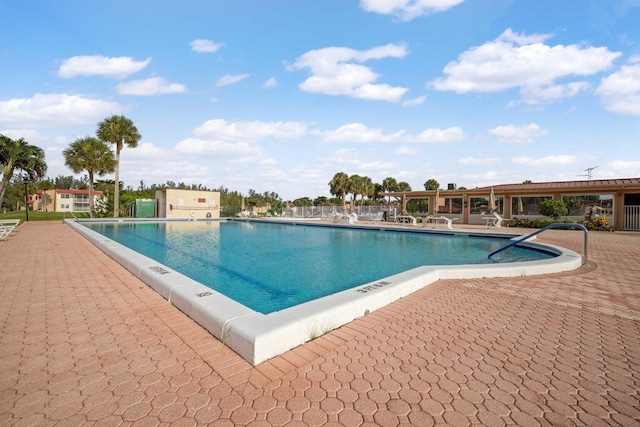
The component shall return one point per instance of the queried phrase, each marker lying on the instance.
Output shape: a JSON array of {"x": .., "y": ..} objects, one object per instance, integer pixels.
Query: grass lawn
[{"x": 41, "y": 216}]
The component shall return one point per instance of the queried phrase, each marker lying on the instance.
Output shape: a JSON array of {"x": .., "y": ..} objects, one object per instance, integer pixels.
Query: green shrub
[
  {"x": 541, "y": 223},
  {"x": 522, "y": 222}
]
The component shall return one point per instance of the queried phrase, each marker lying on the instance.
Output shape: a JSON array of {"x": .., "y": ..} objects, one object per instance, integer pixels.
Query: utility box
[{"x": 144, "y": 208}]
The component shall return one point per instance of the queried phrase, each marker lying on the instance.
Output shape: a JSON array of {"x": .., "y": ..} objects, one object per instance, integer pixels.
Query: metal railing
[
  {"x": 554, "y": 225},
  {"x": 631, "y": 218}
]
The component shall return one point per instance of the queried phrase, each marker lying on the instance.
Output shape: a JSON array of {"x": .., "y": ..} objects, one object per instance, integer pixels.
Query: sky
[{"x": 280, "y": 95}]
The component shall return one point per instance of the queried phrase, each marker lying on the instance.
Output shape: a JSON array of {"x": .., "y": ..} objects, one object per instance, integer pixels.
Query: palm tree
[
  {"x": 19, "y": 154},
  {"x": 431, "y": 184},
  {"x": 389, "y": 184},
  {"x": 368, "y": 189},
  {"x": 92, "y": 155},
  {"x": 356, "y": 184},
  {"x": 403, "y": 186},
  {"x": 120, "y": 131},
  {"x": 339, "y": 186}
]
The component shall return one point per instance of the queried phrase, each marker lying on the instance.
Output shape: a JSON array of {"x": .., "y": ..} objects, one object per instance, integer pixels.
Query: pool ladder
[{"x": 554, "y": 225}]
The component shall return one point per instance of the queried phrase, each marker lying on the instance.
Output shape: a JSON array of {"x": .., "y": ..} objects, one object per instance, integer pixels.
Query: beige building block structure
[{"x": 188, "y": 204}]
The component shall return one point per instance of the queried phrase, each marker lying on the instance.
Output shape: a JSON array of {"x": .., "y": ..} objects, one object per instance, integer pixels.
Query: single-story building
[
  {"x": 618, "y": 199},
  {"x": 187, "y": 204}
]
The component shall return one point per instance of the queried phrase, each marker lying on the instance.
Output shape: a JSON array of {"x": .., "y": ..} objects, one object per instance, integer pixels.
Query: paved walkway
[{"x": 83, "y": 342}]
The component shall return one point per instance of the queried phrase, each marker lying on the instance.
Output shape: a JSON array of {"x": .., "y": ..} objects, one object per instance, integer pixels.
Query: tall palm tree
[
  {"x": 431, "y": 184},
  {"x": 355, "y": 186},
  {"x": 367, "y": 188},
  {"x": 120, "y": 131},
  {"x": 339, "y": 186},
  {"x": 389, "y": 184},
  {"x": 19, "y": 154},
  {"x": 92, "y": 155}
]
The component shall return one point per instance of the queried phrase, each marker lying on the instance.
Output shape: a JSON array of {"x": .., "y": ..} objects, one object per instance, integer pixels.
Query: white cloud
[
  {"x": 415, "y": 102},
  {"x": 357, "y": 132},
  {"x": 149, "y": 87},
  {"x": 628, "y": 167},
  {"x": 536, "y": 95},
  {"x": 345, "y": 156},
  {"x": 218, "y": 149},
  {"x": 230, "y": 79},
  {"x": 407, "y": 9},
  {"x": 97, "y": 65},
  {"x": 479, "y": 160},
  {"x": 334, "y": 71},
  {"x": 524, "y": 61},
  {"x": 620, "y": 91},
  {"x": 443, "y": 136},
  {"x": 220, "y": 129},
  {"x": 360, "y": 133},
  {"x": 512, "y": 134},
  {"x": 377, "y": 166},
  {"x": 55, "y": 110},
  {"x": 407, "y": 151},
  {"x": 147, "y": 150},
  {"x": 562, "y": 159},
  {"x": 205, "y": 46},
  {"x": 270, "y": 83},
  {"x": 29, "y": 135}
]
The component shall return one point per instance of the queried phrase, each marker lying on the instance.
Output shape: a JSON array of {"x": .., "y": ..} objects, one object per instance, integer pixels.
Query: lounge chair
[
  {"x": 407, "y": 219},
  {"x": 5, "y": 231},
  {"x": 9, "y": 222},
  {"x": 378, "y": 217},
  {"x": 434, "y": 220},
  {"x": 350, "y": 218},
  {"x": 494, "y": 221}
]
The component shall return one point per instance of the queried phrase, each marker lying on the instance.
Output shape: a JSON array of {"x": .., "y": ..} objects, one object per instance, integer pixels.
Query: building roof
[
  {"x": 539, "y": 188},
  {"x": 621, "y": 182},
  {"x": 66, "y": 191}
]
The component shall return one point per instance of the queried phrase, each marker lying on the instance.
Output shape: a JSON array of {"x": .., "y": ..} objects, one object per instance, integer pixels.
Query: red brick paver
[{"x": 83, "y": 342}]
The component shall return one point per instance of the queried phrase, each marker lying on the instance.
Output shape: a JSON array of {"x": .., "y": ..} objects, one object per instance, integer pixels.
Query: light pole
[{"x": 26, "y": 196}]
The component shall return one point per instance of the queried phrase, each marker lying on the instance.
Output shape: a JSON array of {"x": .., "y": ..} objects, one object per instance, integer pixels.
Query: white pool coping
[{"x": 258, "y": 337}]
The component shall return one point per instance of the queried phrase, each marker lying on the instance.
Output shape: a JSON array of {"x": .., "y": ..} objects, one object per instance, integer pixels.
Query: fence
[
  {"x": 632, "y": 218},
  {"x": 328, "y": 212}
]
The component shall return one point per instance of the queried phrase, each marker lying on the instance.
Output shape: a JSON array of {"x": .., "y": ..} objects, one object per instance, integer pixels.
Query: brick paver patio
[{"x": 83, "y": 342}]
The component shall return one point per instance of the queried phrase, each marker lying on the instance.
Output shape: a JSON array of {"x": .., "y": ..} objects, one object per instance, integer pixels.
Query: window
[
  {"x": 202, "y": 200},
  {"x": 452, "y": 205},
  {"x": 521, "y": 205},
  {"x": 582, "y": 205}
]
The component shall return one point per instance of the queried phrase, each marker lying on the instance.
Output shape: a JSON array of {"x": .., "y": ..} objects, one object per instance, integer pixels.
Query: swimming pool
[
  {"x": 259, "y": 334},
  {"x": 273, "y": 266}
]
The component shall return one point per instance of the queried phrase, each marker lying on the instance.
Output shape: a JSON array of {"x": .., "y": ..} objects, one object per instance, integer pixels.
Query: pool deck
[{"x": 84, "y": 342}]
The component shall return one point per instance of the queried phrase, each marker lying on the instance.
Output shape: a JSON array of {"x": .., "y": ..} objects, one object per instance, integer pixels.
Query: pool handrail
[{"x": 554, "y": 225}]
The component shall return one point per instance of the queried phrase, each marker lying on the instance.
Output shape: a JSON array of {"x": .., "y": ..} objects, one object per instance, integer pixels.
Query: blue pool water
[{"x": 269, "y": 267}]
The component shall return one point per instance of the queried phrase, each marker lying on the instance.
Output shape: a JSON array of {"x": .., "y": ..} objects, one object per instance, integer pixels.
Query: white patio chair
[{"x": 5, "y": 231}]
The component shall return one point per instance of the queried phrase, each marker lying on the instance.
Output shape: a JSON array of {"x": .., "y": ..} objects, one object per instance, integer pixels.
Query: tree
[
  {"x": 303, "y": 201},
  {"x": 92, "y": 155},
  {"x": 19, "y": 154},
  {"x": 431, "y": 184},
  {"x": 367, "y": 188},
  {"x": 389, "y": 185},
  {"x": 320, "y": 200},
  {"x": 356, "y": 186},
  {"x": 404, "y": 186},
  {"x": 120, "y": 131},
  {"x": 339, "y": 186},
  {"x": 553, "y": 208}
]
